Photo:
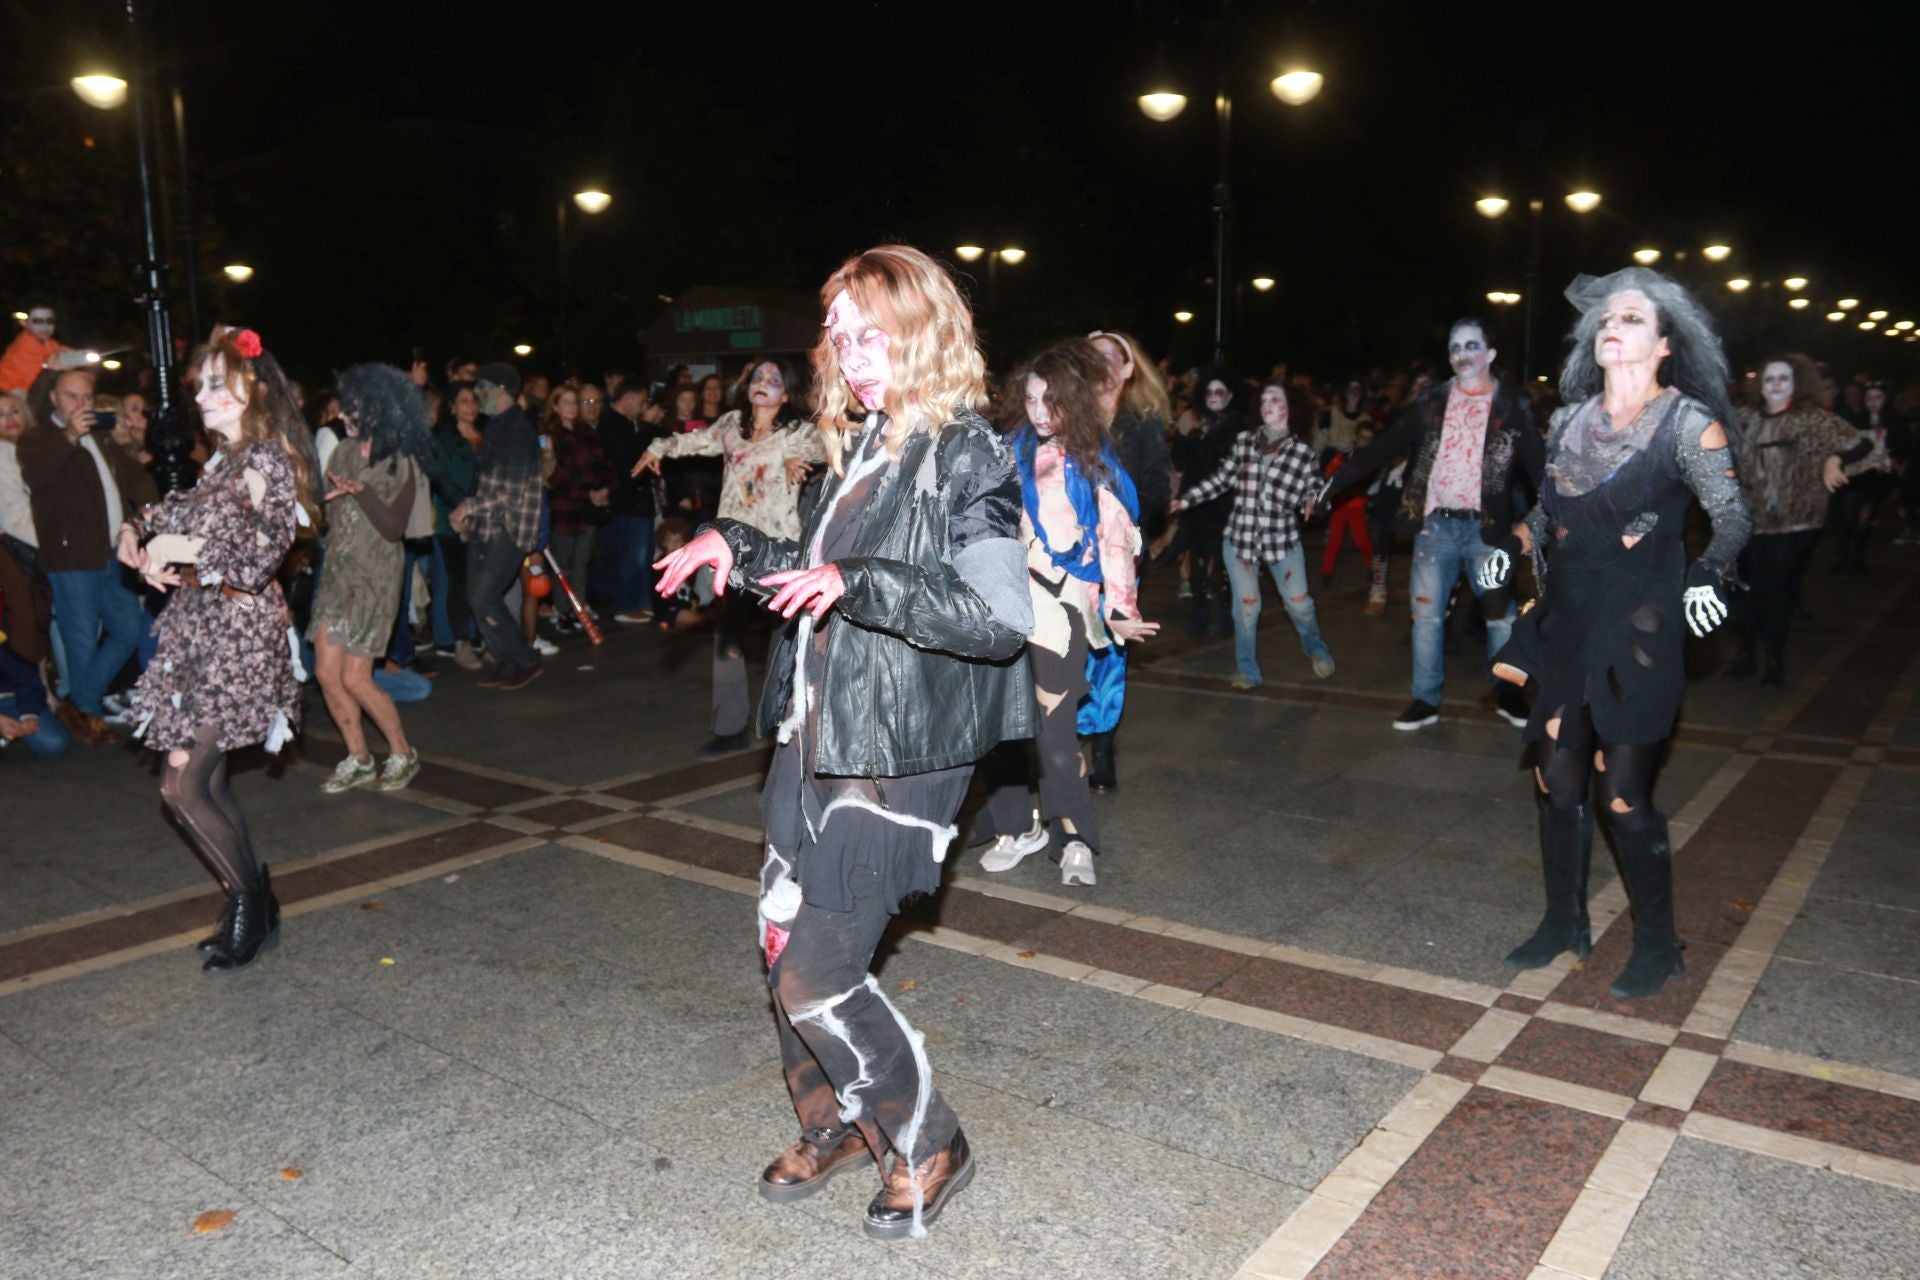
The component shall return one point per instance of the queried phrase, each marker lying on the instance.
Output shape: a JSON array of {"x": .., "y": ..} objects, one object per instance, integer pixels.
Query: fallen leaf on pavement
[
  {"x": 372, "y": 906},
  {"x": 213, "y": 1220},
  {"x": 291, "y": 1174},
  {"x": 908, "y": 985},
  {"x": 386, "y": 959},
  {"x": 1026, "y": 955}
]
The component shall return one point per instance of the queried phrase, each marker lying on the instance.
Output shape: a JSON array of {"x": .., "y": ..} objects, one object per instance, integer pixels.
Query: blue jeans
[
  {"x": 47, "y": 741},
  {"x": 100, "y": 623},
  {"x": 1444, "y": 547},
  {"x": 626, "y": 550},
  {"x": 1290, "y": 576}
]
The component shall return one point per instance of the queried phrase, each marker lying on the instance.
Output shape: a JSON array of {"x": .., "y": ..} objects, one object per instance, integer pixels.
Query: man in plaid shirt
[
  {"x": 1272, "y": 473},
  {"x": 501, "y": 523}
]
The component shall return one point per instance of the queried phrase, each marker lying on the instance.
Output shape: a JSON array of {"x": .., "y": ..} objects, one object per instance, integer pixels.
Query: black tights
[
  {"x": 197, "y": 794},
  {"x": 1572, "y": 753}
]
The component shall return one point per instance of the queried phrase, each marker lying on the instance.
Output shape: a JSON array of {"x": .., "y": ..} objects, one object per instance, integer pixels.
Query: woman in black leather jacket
[{"x": 905, "y": 665}]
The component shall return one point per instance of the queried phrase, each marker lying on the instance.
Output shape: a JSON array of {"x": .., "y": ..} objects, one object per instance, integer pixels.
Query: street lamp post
[
  {"x": 590, "y": 201},
  {"x": 1493, "y": 206},
  {"x": 1295, "y": 87}
]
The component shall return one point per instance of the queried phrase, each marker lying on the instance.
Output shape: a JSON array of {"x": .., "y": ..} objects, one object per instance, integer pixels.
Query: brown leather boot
[
  {"x": 941, "y": 1176},
  {"x": 805, "y": 1167}
]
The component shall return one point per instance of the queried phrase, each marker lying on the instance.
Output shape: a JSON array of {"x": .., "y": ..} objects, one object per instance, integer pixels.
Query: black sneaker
[
  {"x": 723, "y": 744},
  {"x": 1511, "y": 704},
  {"x": 1418, "y": 715}
]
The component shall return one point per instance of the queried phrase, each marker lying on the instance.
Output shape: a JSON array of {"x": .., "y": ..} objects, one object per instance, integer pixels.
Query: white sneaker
[
  {"x": 1322, "y": 665},
  {"x": 399, "y": 771},
  {"x": 545, "y": 647},
  {"x": 1008, "y": 851},
  {"x": 354, "y": 771},
  {"x": 1241, "y": 680},
  {"x": 1076, "y": 863}
]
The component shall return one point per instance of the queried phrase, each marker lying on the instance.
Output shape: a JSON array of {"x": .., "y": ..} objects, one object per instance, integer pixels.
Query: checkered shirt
[{"x": 1268, "y": 487}]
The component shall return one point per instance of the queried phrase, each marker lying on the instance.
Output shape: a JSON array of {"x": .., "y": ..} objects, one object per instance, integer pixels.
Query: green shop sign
[{"x": 741, "y": 324}]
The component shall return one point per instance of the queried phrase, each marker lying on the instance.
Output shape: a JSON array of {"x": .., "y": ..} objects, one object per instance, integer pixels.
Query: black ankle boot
[
  {"x": 211, "y": 944},
  {"x": 1566, "y": 841},
  {"x": 1100, "y": 774},
  {"x": 1646, "y": 864},
  {"x": 255, "y": 928}
]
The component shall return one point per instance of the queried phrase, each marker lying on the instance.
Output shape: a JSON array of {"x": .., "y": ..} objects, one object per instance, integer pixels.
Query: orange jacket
[{"x": 26, "y": 356}]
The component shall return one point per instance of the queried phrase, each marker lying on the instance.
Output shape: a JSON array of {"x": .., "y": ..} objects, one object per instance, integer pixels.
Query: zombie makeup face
[
  {"x": 1353, "y": 396},
  {"x": 1273, "y": 410},
  {"x": 1468, "y": 353},
  {"x": 40, "y": 323},
  {"x": 863, "y": 350},
  {"x": 1038, "y": 413},
  {"x": 221, "y": 405},
  {"x": 1219, "y": 396},
  {"x": 1876, "y": 400},
  {"x": 1776, "y": 386},
  {"x": 1629, "y": 333},
  {"x": 767, "y": 389}
]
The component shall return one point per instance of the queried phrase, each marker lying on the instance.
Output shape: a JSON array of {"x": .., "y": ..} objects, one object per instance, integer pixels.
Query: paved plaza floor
[{"x": 517, "y": 1024}]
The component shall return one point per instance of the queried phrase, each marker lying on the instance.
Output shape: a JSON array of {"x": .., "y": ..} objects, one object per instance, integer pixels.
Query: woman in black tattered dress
[{"x": 1643, "y": 436}]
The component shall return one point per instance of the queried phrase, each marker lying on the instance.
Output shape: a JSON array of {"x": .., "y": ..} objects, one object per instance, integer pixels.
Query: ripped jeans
[
  {"x": 1290, "y": 576},
  {"x": 1445, "y": 547}
]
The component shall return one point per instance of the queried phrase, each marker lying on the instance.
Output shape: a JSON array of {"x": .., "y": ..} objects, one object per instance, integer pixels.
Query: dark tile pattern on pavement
[{"x": 1826, "y": 1110}]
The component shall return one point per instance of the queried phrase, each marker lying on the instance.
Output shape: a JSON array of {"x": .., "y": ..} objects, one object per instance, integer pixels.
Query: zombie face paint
[
  {"x": 1876, "y": 400},
  {"x": 1776, "y": 386},
  {"x": 1219, "y": 396},
  {"x": 767, "y": 389},
  {"x": 40, "y": 323},
  {"x": 863, "y": 350},
  {"x": 1468, "y": 353},
  {"x": 221, "y": 405},
  {"x": 1273, "y": 410},
  {"x": 1038, "y": 413},
  {"x": 1629, "y": 333}
]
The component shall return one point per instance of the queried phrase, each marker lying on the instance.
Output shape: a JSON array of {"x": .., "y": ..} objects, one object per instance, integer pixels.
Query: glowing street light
[
  {"x": 1162, "y": 106},
  {"x": 1491, "y": 206},
  {"x": 1836, "y": 316},
  {"x": 1583, "y": 201},
  {"x": 1717, "y": 252},
  {"x": 1183, "y": 317},
  {"x": 1904, "y": 325},
  {"x": 238, "y": 272},
  {"x": 1263, "y": 283},
  {"x": 1869, "y": 324},
  {"x": 1739, "y": 284},
  {"x": 1876, "y": 315},
  {"x": 1013, "y": 257},
  {"x": 1646, "y": 257},
  {"x": 968, "y": 252},
  {"x": 1799, "y": 304},
  {"x": 1298, "y": 87},
  {"x": 110, "y": 366},
  {"x": 1794, "y": 284},
  {"x": 21, "y": 316},
  {"x": 592, "y": 201},
  {"x": 1500, "y": 298},
  {"x": 101, "y": 91},
  {"x": 1847, "y": 304},
  {"x": 522, "y": 349}
]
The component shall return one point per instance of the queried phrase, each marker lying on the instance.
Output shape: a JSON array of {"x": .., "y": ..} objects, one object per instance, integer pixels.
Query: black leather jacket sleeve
[
  {"x": 934, "y": 607},
  {"x": 755, "y": 555},
  {"x": 1399, "y": 436}
]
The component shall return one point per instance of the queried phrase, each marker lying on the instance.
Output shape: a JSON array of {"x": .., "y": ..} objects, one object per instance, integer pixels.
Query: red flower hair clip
[{"x": 247, "y": 343}]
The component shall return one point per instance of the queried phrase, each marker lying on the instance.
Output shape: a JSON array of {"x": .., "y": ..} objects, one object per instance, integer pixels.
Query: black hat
[{"x": 503, "y": 376}]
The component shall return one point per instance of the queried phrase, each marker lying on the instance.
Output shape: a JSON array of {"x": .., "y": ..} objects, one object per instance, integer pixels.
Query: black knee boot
[
  {"x": 1100, "y": 773},
  {"x": 1646, "y": 863},
  {"x": 1566, "y": 841}
]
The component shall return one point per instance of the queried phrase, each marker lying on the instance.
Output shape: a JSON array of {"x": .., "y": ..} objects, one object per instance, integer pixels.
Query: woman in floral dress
[
  {"x": 768, "y": 452},
  {"x": 224, "y": 674}
]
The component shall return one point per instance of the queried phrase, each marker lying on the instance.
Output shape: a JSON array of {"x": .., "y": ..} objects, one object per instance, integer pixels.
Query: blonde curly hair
[{"x": 937, "y": 366}]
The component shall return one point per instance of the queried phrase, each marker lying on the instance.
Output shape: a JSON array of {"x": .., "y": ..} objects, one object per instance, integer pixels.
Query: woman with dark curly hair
[
  {"x": 371, "y": 481},
  {"x": 225, "y": 674},
  {"x": 1643, "y": 434}
]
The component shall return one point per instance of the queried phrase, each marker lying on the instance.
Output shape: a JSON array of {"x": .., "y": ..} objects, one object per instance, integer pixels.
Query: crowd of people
[{"x": 949, "y": 564}]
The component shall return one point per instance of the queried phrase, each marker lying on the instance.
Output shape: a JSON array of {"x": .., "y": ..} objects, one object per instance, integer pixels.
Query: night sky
[{"x": 391, "y": 170}]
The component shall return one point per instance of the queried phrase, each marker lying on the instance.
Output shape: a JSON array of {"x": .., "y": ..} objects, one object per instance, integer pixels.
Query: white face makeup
[
  {"x": 1629, "y": 333},
  {"x": 1037, "y": 411},
  {"x": 1468, "y": 352},
  {"x": 220, "y": 405},
  {"x": 40, "y": 323},
  {"x": 1876, "y": 400},
  {"x": 1218, "y": 396},
  {"x": 1776, "y": 385},
  {"x": 767, "y": 389},
  {"x": 862, "y": 348},
  {"x": 1273, "y": 409}
]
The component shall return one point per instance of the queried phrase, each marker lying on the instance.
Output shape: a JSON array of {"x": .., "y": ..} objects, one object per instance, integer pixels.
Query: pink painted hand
[
  {"x": 709, "y": 549},
  {"x": 816, "y": 590}
]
